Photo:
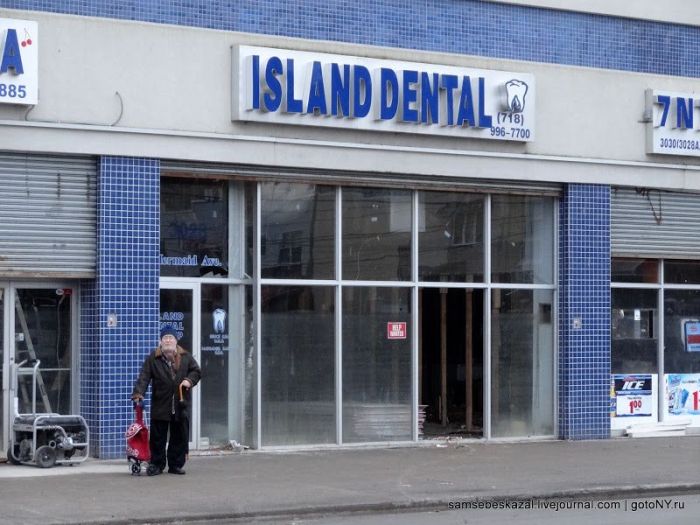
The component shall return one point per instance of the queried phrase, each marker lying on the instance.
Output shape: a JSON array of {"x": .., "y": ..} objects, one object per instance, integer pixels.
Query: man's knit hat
[{"x": 168, "y": 330}]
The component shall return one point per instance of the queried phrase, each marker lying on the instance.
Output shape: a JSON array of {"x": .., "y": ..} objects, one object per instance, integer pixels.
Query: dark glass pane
[
  {"x": 298, "y": 231},
  {"x": 634, "y": 270},
  {"x": 681, "y": 335},
  {"x": 634, "y": 327},
  {"x": 193, "y": 228},
  {"x": 682, "y": 272},
  {"x": 522, "y": 239},
  {"x": 451, "y": 237},
  {"x": 376, "y": 234},
  {"x": 298, "y": 365},
  {"x": 522, "y": 361}
]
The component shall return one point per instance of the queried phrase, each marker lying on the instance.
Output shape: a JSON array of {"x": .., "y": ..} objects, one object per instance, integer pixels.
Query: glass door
[
  {"x": 37, "y": 322},
  {"x": 176, "y": 310}
]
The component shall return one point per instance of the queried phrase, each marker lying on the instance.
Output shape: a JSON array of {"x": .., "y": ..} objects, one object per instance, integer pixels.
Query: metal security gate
[
  {"x": 48, "y": 218},
  {"x": 654, "y": 223}
]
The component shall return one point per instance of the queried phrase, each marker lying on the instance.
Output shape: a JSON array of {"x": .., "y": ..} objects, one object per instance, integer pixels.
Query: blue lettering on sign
[
  {"x": 273, "y": 93},
  {"x": 362, "y": 87},
  {"x": 351, "y": 91},
  {"x": 317, "y": 93},
  {"x": 684, "y": 114},
  {"x": 389, "y": 94},
  {"x": 430, "y": 98},
  {"x": 408, "y": 112},
  {"x": 340, "y": 91},
  {"x": 11, "y": 57},
  {"x": 293, "y": 105}
]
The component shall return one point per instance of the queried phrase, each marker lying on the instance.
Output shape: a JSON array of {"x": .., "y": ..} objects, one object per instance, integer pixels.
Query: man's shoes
[
  {"x": 153, "y": 470},
  {"x": 176, "y": 470}
]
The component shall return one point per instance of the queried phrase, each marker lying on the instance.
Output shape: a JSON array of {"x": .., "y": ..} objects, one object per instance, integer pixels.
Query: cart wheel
[
  {"x": 136, "y": 468},
  {"x": 45, "y": 456},
  {"x": 12, "y": 458}
]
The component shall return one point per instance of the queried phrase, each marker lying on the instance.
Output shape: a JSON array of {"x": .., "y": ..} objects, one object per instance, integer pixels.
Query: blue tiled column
[
  {"x": 127, "y": 285},
  {"x": 584, "y": 312}
]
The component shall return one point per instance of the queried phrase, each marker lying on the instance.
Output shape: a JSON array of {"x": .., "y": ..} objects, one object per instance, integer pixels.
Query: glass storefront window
[
  {"x": 451, "y": 237},
  {"x": 624, "y": 270},
  {"x": 298, "y": 231},
  {"x": 522, "y": 243},
  {"x": 376, "y": 366},
  {"x": 634, "y": 328},
  {"x": 222, "y": 351},
  {"x": 522, "y": 363},
  {"x": 681, "y": 315},
  {"x": 194, "y": 228},
  {"x": 376, "y": 234},
  {"x": 682, "y": 272},
  {"x": 298, "y": 369}
]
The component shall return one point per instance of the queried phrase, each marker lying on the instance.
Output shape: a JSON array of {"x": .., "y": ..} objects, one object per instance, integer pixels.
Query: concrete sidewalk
[{"x": 263, "y": 484}]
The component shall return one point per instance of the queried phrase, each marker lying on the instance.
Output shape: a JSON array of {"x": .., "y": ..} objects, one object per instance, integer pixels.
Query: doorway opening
[{"x": 451, "y": 363}]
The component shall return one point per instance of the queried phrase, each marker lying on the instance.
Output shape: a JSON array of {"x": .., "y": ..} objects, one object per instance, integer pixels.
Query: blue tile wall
[
  {"x": 584, "y": 312},
  {"x": 127, "y": 285},
  {"x": 455, "y": 26}
]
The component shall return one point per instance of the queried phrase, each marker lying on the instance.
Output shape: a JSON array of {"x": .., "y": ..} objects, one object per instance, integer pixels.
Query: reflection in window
[
  {"x": 298, "y": 370},
  {"x": 682, "y": 272},
  {"x": 624, "y": 270},
  {"x": 451, "y": 237},
  {"x": 193, "y": 227},
  {"x": 522, "y": 242},
  {"x": 634, "y": 325},
  {"x": 298, "y": 231},
  {"x": 376, "y": 234},
  {"x": 522, "y": 361}
]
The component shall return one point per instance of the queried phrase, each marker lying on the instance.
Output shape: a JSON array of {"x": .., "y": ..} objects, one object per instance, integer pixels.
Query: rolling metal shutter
[
  {"x": 655, "y": 223},
  {"x": 48, "y": 218}
]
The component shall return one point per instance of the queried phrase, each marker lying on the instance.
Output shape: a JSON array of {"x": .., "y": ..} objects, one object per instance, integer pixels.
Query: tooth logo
[
  {"x": 219, "y": 320},
  {"x": 515, "y": 94}
]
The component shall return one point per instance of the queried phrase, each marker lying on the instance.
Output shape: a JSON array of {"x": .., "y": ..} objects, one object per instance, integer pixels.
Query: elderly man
[{"x": 170, "y": 370}]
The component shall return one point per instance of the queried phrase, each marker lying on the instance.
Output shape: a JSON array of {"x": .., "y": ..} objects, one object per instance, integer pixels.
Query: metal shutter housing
[
  {"x": 48, "y": 216},
  {"x": 654, "y": 223}
]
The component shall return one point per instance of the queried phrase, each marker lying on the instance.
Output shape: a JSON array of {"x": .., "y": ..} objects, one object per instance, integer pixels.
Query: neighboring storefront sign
[
  {"x": 395, "y": 330},
  {"x": 683, "y": 396},
  {"x": 19, "y": 68},
  {"x": 673, "y": 123},
  {"x": 632, "y": 395},
  {"x": 283, "y": 86}
]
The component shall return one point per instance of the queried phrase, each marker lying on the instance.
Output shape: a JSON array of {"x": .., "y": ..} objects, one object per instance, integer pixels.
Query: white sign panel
[
  {"x": 19, "y": 68},
  {"x": 281, "y": 86},
  {"x": 674, "y": 122}
]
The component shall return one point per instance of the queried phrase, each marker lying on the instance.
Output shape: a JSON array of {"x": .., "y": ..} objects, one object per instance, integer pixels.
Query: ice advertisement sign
[
  {"x": 632, "y": 395},
  {"x": 673, "y": 123},
  {"x": 19, "y": 66},
  {"x": 284, "y": 86}
]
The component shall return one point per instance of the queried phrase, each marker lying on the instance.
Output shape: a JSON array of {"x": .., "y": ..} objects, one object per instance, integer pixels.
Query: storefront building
[{"x": 375, "y": 226}]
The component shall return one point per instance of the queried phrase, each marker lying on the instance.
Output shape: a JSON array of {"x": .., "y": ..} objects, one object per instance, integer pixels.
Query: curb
[{"x": 610, "y": 492}]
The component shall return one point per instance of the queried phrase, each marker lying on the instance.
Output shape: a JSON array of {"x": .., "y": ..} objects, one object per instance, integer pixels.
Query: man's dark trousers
[{"x": 177, "y": 447}]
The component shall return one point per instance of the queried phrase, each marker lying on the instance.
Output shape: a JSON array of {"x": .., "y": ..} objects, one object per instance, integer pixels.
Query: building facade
[{"x": 370, "y": 223}]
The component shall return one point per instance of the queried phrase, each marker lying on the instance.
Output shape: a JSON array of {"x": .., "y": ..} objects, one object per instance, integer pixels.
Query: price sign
[{"x": 632, "y": 395}]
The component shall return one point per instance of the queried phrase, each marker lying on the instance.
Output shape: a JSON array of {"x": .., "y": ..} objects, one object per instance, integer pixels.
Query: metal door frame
[
  {"x": 9, "y": 288},
  {"x": 195, "y": 287}
]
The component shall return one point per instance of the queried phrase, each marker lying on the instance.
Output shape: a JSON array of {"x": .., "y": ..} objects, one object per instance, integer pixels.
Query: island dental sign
[
  {"x": 314, "y": 89},
  {"x": 674, "y": 122},
  {"x": 19, "y": 65}
]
